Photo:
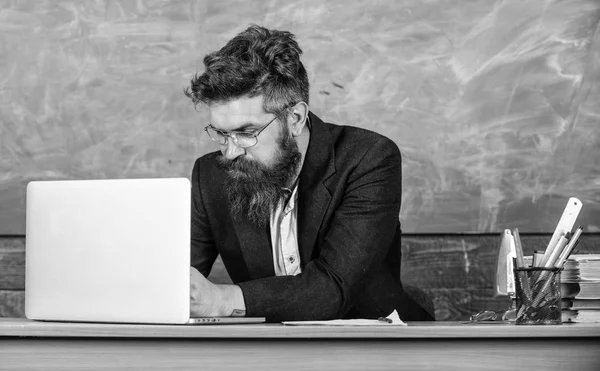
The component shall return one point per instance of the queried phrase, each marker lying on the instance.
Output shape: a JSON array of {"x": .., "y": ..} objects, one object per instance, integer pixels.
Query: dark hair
[{"x": 256, "y": 62}]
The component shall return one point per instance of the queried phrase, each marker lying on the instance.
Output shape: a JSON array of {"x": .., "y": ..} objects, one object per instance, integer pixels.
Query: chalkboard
[{"x": 494, "y": 104}]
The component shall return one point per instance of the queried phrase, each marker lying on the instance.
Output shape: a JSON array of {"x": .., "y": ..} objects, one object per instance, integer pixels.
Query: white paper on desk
[{"x": 396, "y": 321}]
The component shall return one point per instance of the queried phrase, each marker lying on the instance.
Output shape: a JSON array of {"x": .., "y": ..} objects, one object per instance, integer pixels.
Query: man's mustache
[
  {"x": 253, "y": 170},
  {"x": 239, "y": 163}
]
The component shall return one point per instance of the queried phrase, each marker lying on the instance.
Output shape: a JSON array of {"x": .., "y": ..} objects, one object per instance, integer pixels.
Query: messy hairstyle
[{"x": 256, "y": 62}]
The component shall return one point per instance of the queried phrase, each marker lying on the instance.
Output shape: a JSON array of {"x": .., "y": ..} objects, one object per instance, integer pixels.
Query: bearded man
[{"x": 303, "y": 213}]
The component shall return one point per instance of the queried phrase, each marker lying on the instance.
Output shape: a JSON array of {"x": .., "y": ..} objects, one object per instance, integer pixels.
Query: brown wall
[{"x": 456, "y": 271}]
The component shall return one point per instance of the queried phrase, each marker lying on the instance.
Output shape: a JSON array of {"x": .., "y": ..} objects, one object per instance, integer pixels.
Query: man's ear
[{"x": 297, "y": 117}]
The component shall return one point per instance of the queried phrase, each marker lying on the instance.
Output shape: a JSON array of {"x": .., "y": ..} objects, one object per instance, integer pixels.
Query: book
[
  {"x": 569, "y": 290},
  {"x": 591, "y": 315},
  {"x": 589, "y": 266},
  {"x": 566, "y": 303},
  {"x": 581, "y": 267},
  {"x": 588, "y": 290},
  {"x": 584, "y": 304},
  {"x": 580, "y": 290}
]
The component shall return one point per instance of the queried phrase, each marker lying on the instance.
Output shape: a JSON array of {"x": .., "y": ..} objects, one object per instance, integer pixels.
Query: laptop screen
[{"x": 108, "y": 250}]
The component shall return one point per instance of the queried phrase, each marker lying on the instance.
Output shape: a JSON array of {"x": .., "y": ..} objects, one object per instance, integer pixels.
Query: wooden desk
[{"x": 29, "y": 345}]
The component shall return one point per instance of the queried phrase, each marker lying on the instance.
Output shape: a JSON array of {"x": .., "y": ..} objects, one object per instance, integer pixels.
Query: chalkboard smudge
[{"x": 337, "y": 85}]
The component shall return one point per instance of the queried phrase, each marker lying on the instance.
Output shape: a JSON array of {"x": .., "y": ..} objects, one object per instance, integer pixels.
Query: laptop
[{"x": 111, "y": 250}]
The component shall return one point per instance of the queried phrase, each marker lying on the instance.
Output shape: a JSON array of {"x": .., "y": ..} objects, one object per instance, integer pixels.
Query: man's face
[
  {"x": 247, "y": 114},
  {"x": 258, "y": 173}
]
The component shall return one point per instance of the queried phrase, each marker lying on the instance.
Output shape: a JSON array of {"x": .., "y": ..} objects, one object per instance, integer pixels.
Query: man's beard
[{"x": 254, "y": 190}]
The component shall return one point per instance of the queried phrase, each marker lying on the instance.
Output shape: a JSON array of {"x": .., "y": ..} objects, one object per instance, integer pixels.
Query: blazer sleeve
[
  {"x": 203, "y": 248},
  {"x": 354, "y": 247}
]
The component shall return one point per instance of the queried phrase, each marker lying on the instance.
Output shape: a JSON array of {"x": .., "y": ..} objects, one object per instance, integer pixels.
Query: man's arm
[
  {"x": 208, "y": 299},
  {"x": 203, "y": 249},
  {"x": 357, "y": 242}
]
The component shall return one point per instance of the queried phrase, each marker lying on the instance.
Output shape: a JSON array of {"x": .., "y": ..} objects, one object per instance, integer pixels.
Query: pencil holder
[{"x": 538, "y": 296}]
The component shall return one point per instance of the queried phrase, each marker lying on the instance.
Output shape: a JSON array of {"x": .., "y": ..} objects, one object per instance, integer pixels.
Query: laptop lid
[{"x": 108, "y": 250}]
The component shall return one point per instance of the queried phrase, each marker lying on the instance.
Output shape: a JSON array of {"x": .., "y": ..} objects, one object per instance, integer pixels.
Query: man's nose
[{"x": 232, "y": 150}]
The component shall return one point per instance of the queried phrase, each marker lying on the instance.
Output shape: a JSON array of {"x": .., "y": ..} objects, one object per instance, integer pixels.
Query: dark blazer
[{"x": 348, "y": 233}]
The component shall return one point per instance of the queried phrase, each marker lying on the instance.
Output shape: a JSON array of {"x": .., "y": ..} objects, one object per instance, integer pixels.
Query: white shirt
[{"x": 284, "y": 236}]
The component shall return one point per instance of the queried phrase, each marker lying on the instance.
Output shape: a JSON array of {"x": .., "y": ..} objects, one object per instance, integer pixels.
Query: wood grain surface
[
  {"x": 268, "y": 347},
  {"x": 19, "y": 327},
  {"x": 491, "y": 354}
]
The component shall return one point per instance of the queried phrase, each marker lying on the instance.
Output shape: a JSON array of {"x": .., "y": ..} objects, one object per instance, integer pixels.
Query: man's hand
[{"x": 210, "y": 300}]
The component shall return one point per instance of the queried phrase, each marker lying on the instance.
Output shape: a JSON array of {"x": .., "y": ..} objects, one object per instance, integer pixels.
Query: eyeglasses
[
  {"x": 243, "y": 139},
  {"x": 492, "y": 315}
]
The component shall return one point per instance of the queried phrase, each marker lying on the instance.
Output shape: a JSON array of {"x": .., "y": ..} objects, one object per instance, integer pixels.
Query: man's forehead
[{"x": 237, "y": 110}]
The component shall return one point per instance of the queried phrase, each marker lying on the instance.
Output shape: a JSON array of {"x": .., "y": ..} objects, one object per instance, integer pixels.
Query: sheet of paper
[{"x": 396, "y": 321}]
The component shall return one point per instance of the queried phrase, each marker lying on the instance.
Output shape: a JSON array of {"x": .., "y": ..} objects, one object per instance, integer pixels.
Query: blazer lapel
[
  {"x": 313, "y": 200},
  {"x": 313, "y": 195}
]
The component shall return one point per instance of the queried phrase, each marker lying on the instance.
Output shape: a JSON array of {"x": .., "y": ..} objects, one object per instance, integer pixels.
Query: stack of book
[{"x": 580, "y": 288}]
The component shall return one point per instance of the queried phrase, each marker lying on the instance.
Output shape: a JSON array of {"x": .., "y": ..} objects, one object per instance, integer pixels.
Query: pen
[
  {"x": 550, "y": 259},
  {"x": 569, "y": 248},
  {"x": 384, "y": 319}
]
